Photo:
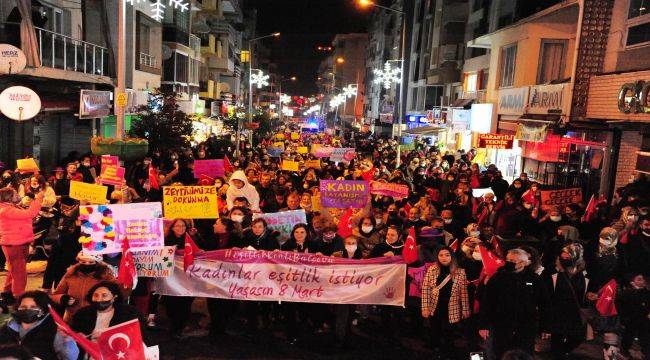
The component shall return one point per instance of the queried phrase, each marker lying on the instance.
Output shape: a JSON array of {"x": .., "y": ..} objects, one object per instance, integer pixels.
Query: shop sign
[
  {"x": 561, "y": 197},
  {"x": 386, "y": 118},
  {"x": 513, "y": 101},
  {"x": 531, "y": 133},
  {"x": 460, "y": 119},
  {"x": 135, "y": 100},
  {"x": 495, "y": 141},
  {"x": 547, "y": 99},
  {"x": 633, "y": 97},
  {"x": 12, "y": 59},
  {"x": 19, "y": 103},
  {"x": 94, "y": 104}
]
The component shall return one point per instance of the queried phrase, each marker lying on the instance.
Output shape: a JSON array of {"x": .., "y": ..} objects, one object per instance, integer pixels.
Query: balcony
[
  {"x": 195, "y": 45},
  {"x": 223, "y": 65},
  {"x": 148, "y": 60}
]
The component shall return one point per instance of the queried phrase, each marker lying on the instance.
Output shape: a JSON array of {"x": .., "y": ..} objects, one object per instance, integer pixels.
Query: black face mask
[
  {"x": 102, "y": 305},
  {"x": 509, "y": 266},
  {"x": 566, "y": 262},
  {"x": 27, "y": 316},
  {"x": 87, "y": 269}
]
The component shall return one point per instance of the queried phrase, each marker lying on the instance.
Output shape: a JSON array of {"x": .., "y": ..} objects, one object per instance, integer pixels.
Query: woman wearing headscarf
[
  {"x": 239, "y": 187},
  {"x": 603, "y": 261},
  {"x": 444, "y": 299}
]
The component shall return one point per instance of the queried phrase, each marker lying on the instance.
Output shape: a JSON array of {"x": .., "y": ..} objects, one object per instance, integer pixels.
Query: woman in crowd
[{"x": 32, "y": 326}]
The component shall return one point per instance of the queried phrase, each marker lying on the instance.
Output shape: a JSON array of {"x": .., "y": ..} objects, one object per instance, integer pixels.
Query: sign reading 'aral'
[
  {"x": 12, "y": 59},
  {"x": 19, "y": 103}
]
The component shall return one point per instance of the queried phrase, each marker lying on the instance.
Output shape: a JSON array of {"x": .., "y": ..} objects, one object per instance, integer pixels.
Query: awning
[
  {"x": 425, "y": 130},
  {"x": 461, "y": 103}
]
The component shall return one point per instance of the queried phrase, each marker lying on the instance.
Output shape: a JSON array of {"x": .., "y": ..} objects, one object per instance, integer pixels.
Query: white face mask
[
  {"x": 237, "y": 218},
  {"x": 350, "y": 248},
  {"x": 474, "y": 234},
  {"x": 366, "y": 229},
  {"x": 476, "y": 255},
  {"x": 555, "y": 218},
  {"x": 447, "y": 221},
  {"x": 465, "y": 248},
  {"x": 606, "y": 242},
  {"x": 646, "y": 233},
  {"x": 378, "y": 221}
]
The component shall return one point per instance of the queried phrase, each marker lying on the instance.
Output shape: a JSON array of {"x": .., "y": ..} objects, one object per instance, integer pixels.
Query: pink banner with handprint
[{"x": 288, "y": 276}]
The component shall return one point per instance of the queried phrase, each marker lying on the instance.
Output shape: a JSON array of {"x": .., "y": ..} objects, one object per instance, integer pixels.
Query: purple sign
[
  {"x": 143, "y": 234},
  {"x": 211, "y": 168},
  {"x": 344, "y": 194}
]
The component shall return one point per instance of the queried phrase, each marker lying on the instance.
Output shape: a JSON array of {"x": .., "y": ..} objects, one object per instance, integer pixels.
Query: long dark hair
[
  {"x": 292, "y": 238},
  {"x": 453, "y": 266}
]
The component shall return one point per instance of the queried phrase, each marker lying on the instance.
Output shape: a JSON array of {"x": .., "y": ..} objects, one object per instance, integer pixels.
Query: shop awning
[
  {"x": 425, "y": 130},
  {"x": 643, "y": 162}
]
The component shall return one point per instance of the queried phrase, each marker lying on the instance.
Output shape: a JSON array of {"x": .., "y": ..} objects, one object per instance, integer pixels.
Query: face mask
[
  {"x": 509, "y": 266},
  {"x": 447, "y": 221},
  {"x": 350, "y": 248},
  {"x": 632, "y": 218},
  {"x": 87, "y": 269},
  {"x": 606, "y": 242},
  {"x": 147, "y": 162},
  {"x": 27, "y": 316},
  {"x": 102, "y": 305},
  {"x": 566, "y": 262},
  {"x": 237, "y": 218},
  {"x": 465, "y": 248},
  {"x": 476, "y": 255},
  {"x": 556, "y": 218},
  {"x": 378, "y": 221},
  {"x": 646, "y": 233},
  {"x": 366, "y": 229},
  {"x": 329, "y": 236},
  {"x": 474, "y": 234},
  {"x": 392, "y": 213},
  {"x": 86, "y": 164}
]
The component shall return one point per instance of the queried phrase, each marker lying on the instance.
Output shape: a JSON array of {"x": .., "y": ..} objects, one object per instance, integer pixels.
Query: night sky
[{"x": 305, "y": 24}]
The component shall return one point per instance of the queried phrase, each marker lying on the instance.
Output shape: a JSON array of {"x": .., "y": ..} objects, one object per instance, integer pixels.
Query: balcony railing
[
  {"x": 147, "y": 60},
  {"x": 195, "y": 44},
  {"x": 64, "y": 52}
]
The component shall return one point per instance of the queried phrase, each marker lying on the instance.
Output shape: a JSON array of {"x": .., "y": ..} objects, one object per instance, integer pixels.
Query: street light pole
[{"x": 119, "y": 89}]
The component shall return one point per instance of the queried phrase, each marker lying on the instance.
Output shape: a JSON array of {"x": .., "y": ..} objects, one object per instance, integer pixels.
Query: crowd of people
[{"x": 555, "y": 262}]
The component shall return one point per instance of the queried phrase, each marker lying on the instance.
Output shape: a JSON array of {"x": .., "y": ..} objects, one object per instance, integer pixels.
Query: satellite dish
[
  {"x": 19, "y": 103},
  {"x": 12, "y": 59},
  {"x": 166, "y": 52}
]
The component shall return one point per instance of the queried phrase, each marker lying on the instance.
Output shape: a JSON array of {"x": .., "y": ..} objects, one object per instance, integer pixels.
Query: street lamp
[
  {"x": 250, "y": 86},
  {"x": 286, "y": 98},
  {"x": 368, "y": 3}
]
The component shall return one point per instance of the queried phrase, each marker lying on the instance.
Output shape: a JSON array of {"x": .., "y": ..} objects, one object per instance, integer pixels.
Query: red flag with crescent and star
[
  {"x": 126, "y": 274},
  {"x": 190, "y": 249},
  {"x": 345, "y": 224},
  {"x": 122, "y": 342},
  {"x": 606, "y": 299},
  {"x": 153, "y": 177},
  {"x": 410, "y": 252},
  {"x": 91, "y": 348},
  {"x": 491, "y": 262}
]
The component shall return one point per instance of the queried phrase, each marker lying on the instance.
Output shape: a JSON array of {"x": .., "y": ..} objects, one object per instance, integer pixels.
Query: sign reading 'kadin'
[
  {"x": 560, "y": 197},
  {"x": 495, "y": 141}
]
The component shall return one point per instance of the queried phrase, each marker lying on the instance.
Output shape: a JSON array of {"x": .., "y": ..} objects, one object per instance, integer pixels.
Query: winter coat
[
  {"x": 458, "y": 302},
  {"x": 76, "y": 284},
  {"x": 16, "y": 223},
  {"x": 42, "y": 340},
  {"x": 561, "y": 311},
  {"x": 268, "y": 241},
  {"x": 248, "y": 191}
]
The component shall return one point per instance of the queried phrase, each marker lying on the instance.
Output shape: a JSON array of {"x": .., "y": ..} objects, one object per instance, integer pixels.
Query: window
[
  {"x": 508, "y": 57},
  {"x": 551, "y": 60},
  {"x": 471, "y": 80},
  {"x": 638, "y": 8},
  {"x": 638, "y": 34},
  {"x": 483, "y": 79}
]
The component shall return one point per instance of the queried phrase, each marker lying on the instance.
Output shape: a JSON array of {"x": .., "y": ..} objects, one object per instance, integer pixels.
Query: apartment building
[{"x": 349, "y": 70}]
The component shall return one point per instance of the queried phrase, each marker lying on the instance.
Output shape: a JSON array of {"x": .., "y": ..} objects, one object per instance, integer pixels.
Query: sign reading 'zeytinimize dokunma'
[
  {"x": 190, "y": 202},
  {"x": 344, "y": 194},
  {"x": 288, "y": 276}
]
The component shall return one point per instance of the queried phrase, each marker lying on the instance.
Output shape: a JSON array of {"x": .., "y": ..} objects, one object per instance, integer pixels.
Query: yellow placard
[
  {"x": 26, "y": 165},
  {"x": 316, "y": 204},
  {"x": 278, "y": 144},
  {"x": 279, "y": 136},
  {"x": 295, "y": 136},
  {"x": 121, "y": 100},
  {"x": 315, "y": 147},
  {"x": 303, "y": 150},
  {"x": 94, "y": 194},
  {"x": 190, "y": 202},
  {"x": 290, "y": 165},
  {"x": 313, "y": 164}
]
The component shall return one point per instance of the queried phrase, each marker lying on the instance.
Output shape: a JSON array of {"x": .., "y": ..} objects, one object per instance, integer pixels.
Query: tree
[{"x": 165, "y": 127}]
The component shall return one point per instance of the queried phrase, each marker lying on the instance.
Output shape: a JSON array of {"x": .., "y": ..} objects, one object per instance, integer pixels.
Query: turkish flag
[
  {"x": 345, "y": 224},
  {"x": 497, "y": 245},
  {"x": 91, "y": 348},
  {"x": 454, "y": 245},
  {"x": 606, "y": 298},
  {"x": 227, "y": 166},
  {"x": 190, "y": 249},
  {"x": 122, "y": 342},
  {"x": 410, "y": 252},
  {"x": 368, "y": 174},
  {"x": 153, "y": 177},
  {"x": 491, "y": 262},
  {"x": 127, "y": 275}
]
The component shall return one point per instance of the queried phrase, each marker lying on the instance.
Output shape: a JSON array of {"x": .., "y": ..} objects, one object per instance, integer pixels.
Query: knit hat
[{"x": 83, "y": 256}]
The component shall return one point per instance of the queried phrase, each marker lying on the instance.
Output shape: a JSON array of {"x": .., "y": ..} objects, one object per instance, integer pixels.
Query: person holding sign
[{"x": 15, "y": 236}]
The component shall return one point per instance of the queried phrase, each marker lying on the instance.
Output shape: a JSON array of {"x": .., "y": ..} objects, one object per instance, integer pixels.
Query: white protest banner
[
  {"x": 155, "y": 263},
  {"x": 284, "y": 221},
  {"x": 104, "y": 227},
  {"x": 288, "y": 276}
]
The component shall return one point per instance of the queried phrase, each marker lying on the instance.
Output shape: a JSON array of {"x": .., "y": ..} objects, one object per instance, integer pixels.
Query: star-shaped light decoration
[
  {"x": 388, "y": 75},
  {"x": 158, "y": 6},
  {"x": 284, "y": 98},
  {"x": 350, "y": 91},
  {"x": 260, "y": 79},
  {"x": 337, "y": 100}
]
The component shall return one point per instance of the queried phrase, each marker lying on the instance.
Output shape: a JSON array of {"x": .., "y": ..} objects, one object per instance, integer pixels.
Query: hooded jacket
[
  {"x": 248, "y": 191},
  {"x": 16, "y": 223}
]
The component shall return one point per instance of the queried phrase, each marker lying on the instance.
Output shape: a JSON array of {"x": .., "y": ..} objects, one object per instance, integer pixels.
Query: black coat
[
  {"x": 39, "y": 340},
  {"x": 561, "y": 311},
  {"x": 84, "y": 320},
  {"x": 268, "y": 241}
]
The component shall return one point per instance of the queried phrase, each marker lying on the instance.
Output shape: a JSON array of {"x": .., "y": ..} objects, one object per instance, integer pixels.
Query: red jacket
[{"x": 16, "y": 223}]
